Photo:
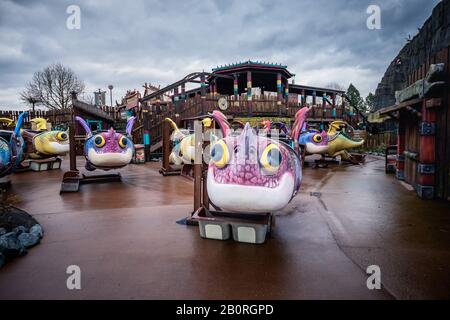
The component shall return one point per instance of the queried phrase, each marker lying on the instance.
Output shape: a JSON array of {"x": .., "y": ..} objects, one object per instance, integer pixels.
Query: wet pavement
[{"x": 125, "y": 239}]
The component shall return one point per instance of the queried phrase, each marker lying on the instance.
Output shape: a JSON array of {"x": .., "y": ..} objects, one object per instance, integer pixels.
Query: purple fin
[
  {"x": 130, "y": 125},
  {"x": 84, "y": 125}
]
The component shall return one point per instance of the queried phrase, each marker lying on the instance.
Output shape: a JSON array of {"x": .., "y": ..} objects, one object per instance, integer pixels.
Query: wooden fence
[
  {"x": 55, "y": 117},
  {"x": 149, "y": 118},
  {"x": 387, "y": 138}
]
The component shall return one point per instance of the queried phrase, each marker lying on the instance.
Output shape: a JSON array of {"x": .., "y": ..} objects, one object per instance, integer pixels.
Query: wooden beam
[{"x": 399, "y": 106}]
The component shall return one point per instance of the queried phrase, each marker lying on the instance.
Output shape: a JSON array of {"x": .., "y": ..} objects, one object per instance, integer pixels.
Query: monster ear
[
  {"x": 130, "y": 125},
  {"x": 221, "y": 119},
  {"x": 19, "y": 123},
  {"x": 84, "y": 125},
  {"x": 300, "y": 119}
]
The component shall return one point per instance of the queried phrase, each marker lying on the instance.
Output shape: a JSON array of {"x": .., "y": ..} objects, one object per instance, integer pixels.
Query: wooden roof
[
  {"x": 91, "y": 110},
  {"x": 297, "y": 88},
  {"x": 253, "y": 65}
]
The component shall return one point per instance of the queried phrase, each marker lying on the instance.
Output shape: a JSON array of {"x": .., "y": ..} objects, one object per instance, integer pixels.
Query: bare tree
[
  {"x": 29, "y": 98},
  {"x": 335, "y": 86},
  {"x": 52, "y": 87},
  {"x": 87, "y": 98}
]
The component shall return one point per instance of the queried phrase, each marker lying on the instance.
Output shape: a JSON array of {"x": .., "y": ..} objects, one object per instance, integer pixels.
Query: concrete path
[{"x": 124, "y": 238}]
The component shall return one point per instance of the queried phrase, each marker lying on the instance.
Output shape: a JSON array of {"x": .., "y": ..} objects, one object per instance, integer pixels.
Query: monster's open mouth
[
  {"x": 110, "y": 159},
  {"x": 250, "y": 197}
]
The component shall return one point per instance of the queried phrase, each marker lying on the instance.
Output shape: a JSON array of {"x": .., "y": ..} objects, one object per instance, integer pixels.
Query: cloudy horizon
[{"x": 158, "y": 42}]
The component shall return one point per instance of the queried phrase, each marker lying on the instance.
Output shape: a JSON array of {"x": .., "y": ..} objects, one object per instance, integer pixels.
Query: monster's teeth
[{"x": 266, "y": 184}]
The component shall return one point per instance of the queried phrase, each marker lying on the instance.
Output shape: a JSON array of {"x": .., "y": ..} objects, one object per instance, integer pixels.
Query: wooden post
[
  {"x": 303, "y": 98},
  {"x": 279, "y": 92},
  {"x": 146, "y": 131},
  {"x": 334, "y": 114},
  {"x": 205, "y": 143},
  {"x": 176, "y": 100},
  {"x": 203, "y": 93},
  {"x": 400, "y": 162},
  {"x": 72, "y": 142},
  {"x": 286, "y": 95},
  {"x": 286, "y": 92},
  {"x": 198, "y": 165},
  {"x": 183, "y": 91},
  {"x": 426, "y": 167},
  {"x": 213, "y": 88},
  {"x": 249, "y": 93},
  {"x": 158, "y": 105},
  {"x": 235, "y": 87},
  {"x": 166, "y": 146}
]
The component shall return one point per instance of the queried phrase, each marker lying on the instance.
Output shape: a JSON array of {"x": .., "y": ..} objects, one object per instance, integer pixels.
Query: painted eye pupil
[
  {"x": 123, "y": 142},
  {"x": 274, "y": 157},
  {"x": 63, "y": 136},
  {"x": 217, "y": 152},
  {"x": 270, "y": 159},
  {"x": 98, "y": 140}
]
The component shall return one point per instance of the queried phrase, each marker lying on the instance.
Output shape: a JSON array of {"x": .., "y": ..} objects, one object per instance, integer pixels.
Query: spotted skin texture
[{"x": 247, "y": 170}]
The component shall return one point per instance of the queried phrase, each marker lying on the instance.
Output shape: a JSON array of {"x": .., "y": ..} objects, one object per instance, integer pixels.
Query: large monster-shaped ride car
[
  {"x": 250, "y": 173},
  {"x": 11, "y": 148},
  {"x": 43, "y": 144},
  {"x": 107, "y": 150}
]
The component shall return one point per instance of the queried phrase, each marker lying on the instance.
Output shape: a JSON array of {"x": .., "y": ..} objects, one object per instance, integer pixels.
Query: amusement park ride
[
  {"x": 249, "y": 175},
  {"x": 103, "y": 151},
  {"x": 254, "y": 147}
]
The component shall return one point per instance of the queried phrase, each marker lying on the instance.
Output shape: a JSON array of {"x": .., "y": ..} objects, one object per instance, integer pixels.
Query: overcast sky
[{"x": 127, "y": 43}]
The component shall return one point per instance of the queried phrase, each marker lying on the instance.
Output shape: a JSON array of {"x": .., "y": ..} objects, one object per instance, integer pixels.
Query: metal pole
[
  {"x": 72, "y": 154},
  {"x": 110, "y": 87}
]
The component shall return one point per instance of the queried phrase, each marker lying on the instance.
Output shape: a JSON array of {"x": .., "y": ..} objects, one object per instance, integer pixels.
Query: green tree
[
  {"x": 370, "y": 103},
  {"x": 354, "y": 98}
]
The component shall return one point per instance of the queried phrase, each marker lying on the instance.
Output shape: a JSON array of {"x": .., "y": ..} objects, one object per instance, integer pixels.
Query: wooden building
[
  {"x": 423, "y": 140},
  {"x": 244, "y": 89}
]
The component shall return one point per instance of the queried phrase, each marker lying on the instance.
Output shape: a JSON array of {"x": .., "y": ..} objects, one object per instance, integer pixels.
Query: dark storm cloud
[{"x": 129, "y": 43}]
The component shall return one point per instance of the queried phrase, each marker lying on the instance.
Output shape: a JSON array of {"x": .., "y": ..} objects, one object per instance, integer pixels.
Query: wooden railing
[
  {"x": 55, "y": 117},
  {"x": 149, "y": 119}
]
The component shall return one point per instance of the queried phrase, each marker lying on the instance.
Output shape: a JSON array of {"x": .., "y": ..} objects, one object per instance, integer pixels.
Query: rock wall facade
[{"x": 432, "y": 38}]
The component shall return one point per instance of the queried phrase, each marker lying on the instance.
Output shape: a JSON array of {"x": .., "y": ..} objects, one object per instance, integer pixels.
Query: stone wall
[{"x": 432, "y": 37}]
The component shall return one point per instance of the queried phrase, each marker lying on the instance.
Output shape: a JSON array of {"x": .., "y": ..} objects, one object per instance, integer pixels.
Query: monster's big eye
[
  {"x": 61, "y": 136},
  {"x": 219, "y": 154},
  {"x": 317, "y": 138},
  {"x": 99, "y": 141},
  {"x": 271, "y": 159},
  {"x": 123, "y": 142}
]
